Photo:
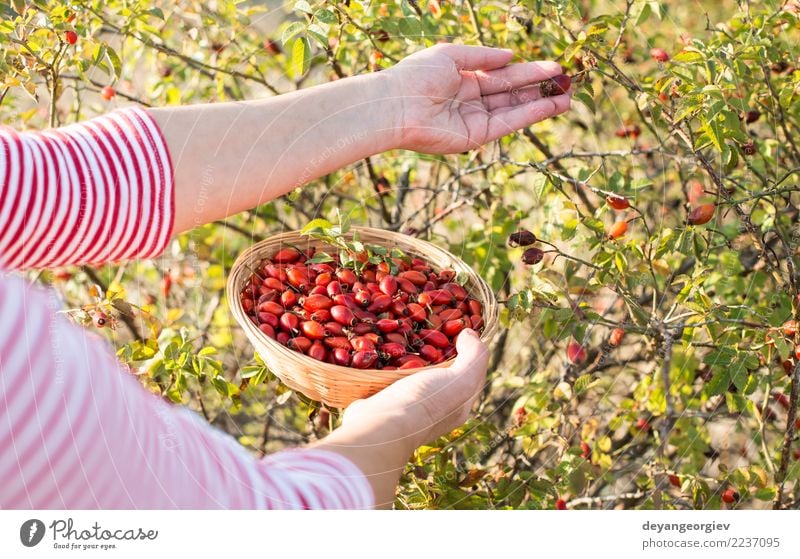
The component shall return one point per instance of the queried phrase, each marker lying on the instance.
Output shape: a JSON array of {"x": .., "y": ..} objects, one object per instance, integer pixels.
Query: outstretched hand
[{"x": 454, "y": 98}]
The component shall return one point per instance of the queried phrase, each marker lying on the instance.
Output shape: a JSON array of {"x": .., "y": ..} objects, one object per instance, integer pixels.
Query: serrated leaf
[
  {"x": 325, "y": 15},
  {"x": 739, "y": 374},
  {"x": 572, "y": 50},
  {"x": 409, "y": 27},
  {"x": 722, "y": 356},
  {"x": 714, "y": 133},
  {"x": 719, "y": 382},
  {"x": 582, "y": 383}
]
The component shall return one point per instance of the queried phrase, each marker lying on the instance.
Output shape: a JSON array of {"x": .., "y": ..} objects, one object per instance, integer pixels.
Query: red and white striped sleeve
[
  {"x": 89, "y": 193},
  {"x": 77, "y": 430}
]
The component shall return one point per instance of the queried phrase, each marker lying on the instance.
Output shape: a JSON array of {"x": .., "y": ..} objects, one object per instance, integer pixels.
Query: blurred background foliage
[{"x": 693, "y": 398}]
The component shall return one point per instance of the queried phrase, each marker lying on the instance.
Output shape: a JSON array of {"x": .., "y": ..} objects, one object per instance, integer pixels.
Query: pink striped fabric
[
  {"x": 88, "y": 193},
  {"x": 76, "y": 429}
]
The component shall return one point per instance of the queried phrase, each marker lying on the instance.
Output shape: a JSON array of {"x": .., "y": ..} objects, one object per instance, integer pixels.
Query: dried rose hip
[
  {"x": 521, "y": 238},
  {"x": 532, "y": 256},
  {"x": 557, "y": 85}
]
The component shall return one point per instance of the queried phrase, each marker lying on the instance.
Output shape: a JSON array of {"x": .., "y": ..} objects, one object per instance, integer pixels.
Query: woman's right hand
[
  {"x": 379, "y": 434},
  {"x": 453, "y": 98},
  {"x": 417, "y": 409}
]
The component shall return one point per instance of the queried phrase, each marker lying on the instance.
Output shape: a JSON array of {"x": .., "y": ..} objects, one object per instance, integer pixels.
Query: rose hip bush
[{"x": 647, "y": 357}]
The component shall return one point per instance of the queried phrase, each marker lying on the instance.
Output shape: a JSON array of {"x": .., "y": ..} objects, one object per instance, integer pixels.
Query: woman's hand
[
  {"x": 430, "y": 403},
  {"x": 229, "y": 157},
  {"x": 379, "y": 433},
  {"x": 454, "y": 98}
]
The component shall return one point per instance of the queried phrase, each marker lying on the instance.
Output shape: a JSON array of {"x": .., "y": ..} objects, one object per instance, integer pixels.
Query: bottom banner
[{"x": 355, "y": 534}]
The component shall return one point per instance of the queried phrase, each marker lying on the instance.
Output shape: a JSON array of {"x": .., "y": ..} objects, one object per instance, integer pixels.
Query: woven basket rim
[{"x": 253, "y": 253}]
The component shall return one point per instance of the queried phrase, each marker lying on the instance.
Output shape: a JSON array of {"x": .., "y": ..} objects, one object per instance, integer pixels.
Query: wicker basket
[{"x": 334, "y": 385}]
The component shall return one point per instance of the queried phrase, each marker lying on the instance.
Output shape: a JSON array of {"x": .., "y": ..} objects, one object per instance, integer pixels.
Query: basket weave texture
[{"x": 334, "y": 385}]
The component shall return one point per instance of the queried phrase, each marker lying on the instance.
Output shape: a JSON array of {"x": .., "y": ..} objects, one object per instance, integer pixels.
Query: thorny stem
[{"x": 788, "y": 436}]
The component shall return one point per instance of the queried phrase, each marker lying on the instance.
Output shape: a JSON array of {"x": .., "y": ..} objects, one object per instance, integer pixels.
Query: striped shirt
[{"x": 77, "y": 430}]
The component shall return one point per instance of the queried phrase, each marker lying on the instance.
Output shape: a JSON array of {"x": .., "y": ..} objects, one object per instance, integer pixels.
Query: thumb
[{"x": 472, "y": 353}]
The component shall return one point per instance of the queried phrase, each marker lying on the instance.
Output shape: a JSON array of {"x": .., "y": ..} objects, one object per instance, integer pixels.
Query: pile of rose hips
[{"x": 370, "y": 319}]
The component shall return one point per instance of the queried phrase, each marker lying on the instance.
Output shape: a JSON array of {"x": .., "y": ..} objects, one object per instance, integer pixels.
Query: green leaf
[
  {"x": 739, "y": 374},
  {"x": 320, "y": 258},
  {"x": 586, "y": 99},
  {"x": 722, "y": 356},
  {"x": 114, "y": 60},
  {"x": 620, "y": 262},
  {"x": 325, "y": 15},
  {"x": 689, "y": 57},
  {"x": 250, "y": 371},
  {"x": 712, "y": 130},
  {"x": 156, "y": 12},
  {"x": 99, "y": 53},
  {"x": 640, "y": 11},
  {"x": 719, "y": 382},
  {"x": 594, "y": 224},
  {"x": 316, "y": 225},
  {"x": 572, "y": 50},
  {"x": 302, "y": 6},
  {"x": 409, "y": 27},
  {"x": 765, "y": 493},
  {"x": 292, "y": 30},
  {"x": 582, "y": 383},
  {"x": 319, "y": 34}
]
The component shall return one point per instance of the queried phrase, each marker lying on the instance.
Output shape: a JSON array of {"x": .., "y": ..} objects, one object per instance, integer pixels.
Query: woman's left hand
[{"x": 453, "y": 98}]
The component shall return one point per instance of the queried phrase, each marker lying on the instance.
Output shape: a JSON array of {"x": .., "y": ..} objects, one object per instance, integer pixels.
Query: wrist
[
  {"x": 387, "y": 107},
  {"x": 387, "y": 433}
]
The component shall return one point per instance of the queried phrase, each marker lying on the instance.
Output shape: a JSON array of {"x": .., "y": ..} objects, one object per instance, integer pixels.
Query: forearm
[
  {"x": 380, "y": 451},
  {"x": 228, "y": 157}
]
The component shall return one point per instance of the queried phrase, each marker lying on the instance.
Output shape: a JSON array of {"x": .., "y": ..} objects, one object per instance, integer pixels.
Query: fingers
[
  {"x": 511, "y": 99},
  {"x": 503, "y": 121},
  {"x": 515, "y": 76},
  {"x": 476, "y": 58},
  {"x": 472, "y": 355}
]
